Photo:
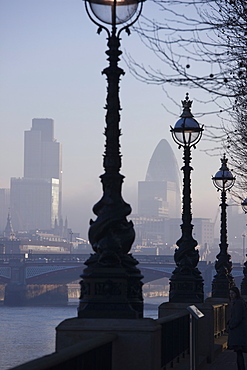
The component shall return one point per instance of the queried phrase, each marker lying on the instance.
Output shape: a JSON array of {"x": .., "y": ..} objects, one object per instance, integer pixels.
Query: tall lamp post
[
  {"x": 186, "y": 283},
  {"x": 223, "y": 280},
  {"x": 244, "y": 281},
  {"x": 111, "y": 284}
]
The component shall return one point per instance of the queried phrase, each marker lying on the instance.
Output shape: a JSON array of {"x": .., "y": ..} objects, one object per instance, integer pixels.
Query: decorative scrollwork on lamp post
[
  {"x": 186, "y": 283},
  {"x": 223, "y": 280},
  {"x": 111, "y": 284}
]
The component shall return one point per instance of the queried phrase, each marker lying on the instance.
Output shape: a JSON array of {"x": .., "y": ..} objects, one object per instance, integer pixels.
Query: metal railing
[
  {"x": 91, "y": 354},
  {"x": 51, "y": 257},
  {"x": 175, "y": 338},
  {"x": 220, "y": 319}
]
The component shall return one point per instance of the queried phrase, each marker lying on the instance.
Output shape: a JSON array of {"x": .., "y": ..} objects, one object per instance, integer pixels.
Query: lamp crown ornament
[
  {"x": 224, "y": 161},
  {"x": 186, "y": 103}
]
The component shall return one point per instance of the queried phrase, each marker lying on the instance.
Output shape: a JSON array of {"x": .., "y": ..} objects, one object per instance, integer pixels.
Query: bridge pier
[{"x": 35, "y": 294}]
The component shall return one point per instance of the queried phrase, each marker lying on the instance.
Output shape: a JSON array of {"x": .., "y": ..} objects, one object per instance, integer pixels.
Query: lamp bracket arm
[
  {"x": 126, "y": 28},
  {"x": 100, "y": 26}
]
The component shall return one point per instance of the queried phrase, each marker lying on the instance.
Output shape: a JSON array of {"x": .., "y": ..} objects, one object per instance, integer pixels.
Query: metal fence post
[{"x": 195, "y": 314}]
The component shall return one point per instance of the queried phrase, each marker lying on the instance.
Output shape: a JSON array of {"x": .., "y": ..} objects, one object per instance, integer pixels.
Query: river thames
[{"x": 29, "y": 332}]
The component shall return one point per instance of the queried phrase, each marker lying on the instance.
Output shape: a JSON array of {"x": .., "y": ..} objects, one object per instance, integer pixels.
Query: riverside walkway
[{"x": 225, "y": 360}]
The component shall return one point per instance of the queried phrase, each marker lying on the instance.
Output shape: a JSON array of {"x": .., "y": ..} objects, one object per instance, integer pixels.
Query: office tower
[
  {"x": 42, "y": 154},
  {"x": 4, "y": 208},
  {"x": 36, "y": 197},
  {"x": 203, "y": 231},
  {"x": 159, "y": 194}
]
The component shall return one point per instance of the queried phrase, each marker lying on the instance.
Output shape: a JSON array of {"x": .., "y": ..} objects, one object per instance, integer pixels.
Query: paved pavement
[{"x": 224, "y": 361}]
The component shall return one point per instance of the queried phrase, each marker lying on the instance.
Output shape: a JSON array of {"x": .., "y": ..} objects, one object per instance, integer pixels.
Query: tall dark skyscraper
[
  {"x": 159, "y": 195},
  {"x": 42, "y": 153},
  {"x": 36, "y": 198}
]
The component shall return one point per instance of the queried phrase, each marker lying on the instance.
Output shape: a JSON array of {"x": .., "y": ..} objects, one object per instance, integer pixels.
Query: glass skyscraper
[
  {"x": 35, "y": 199},
  {"x": 159, "y": 195}
]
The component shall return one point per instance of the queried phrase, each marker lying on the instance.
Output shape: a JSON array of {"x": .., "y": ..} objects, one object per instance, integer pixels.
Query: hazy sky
[{"x": 51, "y": 60}]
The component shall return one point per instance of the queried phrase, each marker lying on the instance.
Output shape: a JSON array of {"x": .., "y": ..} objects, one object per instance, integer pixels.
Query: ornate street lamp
[
  {"x": 111, "y": 284},
  {"x": 244, "y": 281},
  {"x": 186, "y": 283},
  {"x": 223, "y": 280}
]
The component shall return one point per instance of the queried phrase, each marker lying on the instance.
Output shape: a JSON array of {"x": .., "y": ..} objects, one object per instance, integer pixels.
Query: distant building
[
  {"x": 42, "y": 153},
  {"x": 4, "y": 208},
  {"x": 236, "y": 225},
  {"x": 203, "y": 231},
  {"x": 150, "y": 231},
  {"x": 157, "y": 224},
  {"x": 34, "y": 203},
  {"x": 36, "y": 198},
  {"x": 159, "y": 195},
  {"x": 160, "y": 232}
]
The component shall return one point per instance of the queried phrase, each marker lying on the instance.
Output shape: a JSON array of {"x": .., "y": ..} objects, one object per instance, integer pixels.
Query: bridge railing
[
  {"x": 91, "y": 354},
  {"x": 175, "y": 338},
  {"x": 51, "y": 257}
]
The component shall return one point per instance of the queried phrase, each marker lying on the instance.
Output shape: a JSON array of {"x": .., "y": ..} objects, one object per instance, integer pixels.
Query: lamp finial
[{"x": 186, "y": 107}]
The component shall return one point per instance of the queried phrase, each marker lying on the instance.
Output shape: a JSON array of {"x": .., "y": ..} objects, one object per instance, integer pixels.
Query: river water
[{"x": 29, "y": 332}]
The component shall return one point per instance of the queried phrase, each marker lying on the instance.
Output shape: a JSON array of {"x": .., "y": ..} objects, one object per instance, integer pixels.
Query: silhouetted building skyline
[{"x": 35, "y": 199}]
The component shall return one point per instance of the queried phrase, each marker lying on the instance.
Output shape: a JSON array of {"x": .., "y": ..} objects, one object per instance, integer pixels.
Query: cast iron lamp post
[
  {"x": 223, "y": 280},
  {"x": 244, "y": 281},
  {"x": 186, "y": 283},
  {"x": 111, "y": 284},
  {"x": 244, "y": 205}
]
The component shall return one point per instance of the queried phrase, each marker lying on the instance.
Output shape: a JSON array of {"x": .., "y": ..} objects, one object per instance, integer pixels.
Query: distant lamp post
[
  {"x": 244, "y": 205},
  {"x": 243, "y": 236},
  {"x": 111, "y": 284},
  {"x": 186, "y": 283},
  {"x": 71, "y": 239},
  {"x": 244, "y": 281},
  {"x": 223, "y": 280}
]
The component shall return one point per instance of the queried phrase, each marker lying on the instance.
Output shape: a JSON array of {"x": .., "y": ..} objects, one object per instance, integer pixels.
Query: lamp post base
[
  {"x": 186, "y": 289},
  {"x": 221, "y": 287},
  {"x": 111, "y": 292}
]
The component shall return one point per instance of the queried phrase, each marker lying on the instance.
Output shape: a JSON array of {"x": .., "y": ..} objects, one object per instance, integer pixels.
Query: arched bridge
[{"x": 63, "y": 269}]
